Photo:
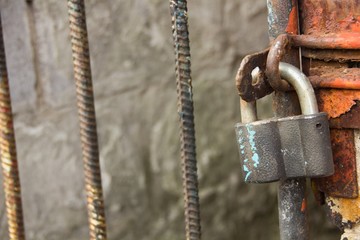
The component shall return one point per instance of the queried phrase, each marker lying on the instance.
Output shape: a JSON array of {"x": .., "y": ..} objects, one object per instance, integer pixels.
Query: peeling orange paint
[
  {"x": 349, "y": 209},
  {"x": 331, "y": 32},
  {"x": 337, "y": 102},
  {"x": 292, "y": 26},
  {"x": 343, "y": 183},
  {"x": 330, "y": 16},
  {"x": 350, "y": 22}
]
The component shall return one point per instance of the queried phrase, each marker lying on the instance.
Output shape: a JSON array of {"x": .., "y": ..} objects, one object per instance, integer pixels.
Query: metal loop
[
  {"x": 276, "y": 53},
  {"x": 293, "y": 77},
  {"x": 248, "y": 111},
  {"x": 302, "y": 86}
]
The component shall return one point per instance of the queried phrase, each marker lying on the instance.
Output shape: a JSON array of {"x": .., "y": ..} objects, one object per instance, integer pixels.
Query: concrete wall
[{"x": 133, "y": 73}]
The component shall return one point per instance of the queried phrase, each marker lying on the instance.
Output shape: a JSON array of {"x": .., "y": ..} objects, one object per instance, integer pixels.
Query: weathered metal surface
[
  {"x": 342, "y": 23},
  {"x": 286, "y": 155},
  {"x": 249, "y": 88},
  {"x": 292, "y": 193},
  {"x": 179, "y": 16},
  {"x": 349, "y": 120},
  {"x": 335, "y": 24},
  {"x": 342, "y": 107},
  {"x": 343, "y": 78},
  {"x": 319, "y": 17},
  {"x": 331, "y": 55},
  {"x": 328, "y": 41},
  {"x": 345, "y": 212},
  {"x": 344, "y": 181},
  {"x": 335, "y": 78},
  {"x": 277, "y": 51},
  {"x": 86, "y": 110},
  {"x": 344, "y": 113},
  {"x": 248, "y": 111},
  {"x": 290, "y": 147},
  {"x": 305, "y": 146},
  {"x": 337, "y": 102},
  {"x": 331, "y": 30},
  {"x": 260, "y": 151},
  {"x": 283, "y": 18},
  {"x": 9, "y": 163}
]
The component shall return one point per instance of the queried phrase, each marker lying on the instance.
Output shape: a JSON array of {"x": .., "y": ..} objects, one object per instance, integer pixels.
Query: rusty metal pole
[
  {"x": 331, "y": 40},
  {"x": 179, "y": 16},
  {"x": 86, "y": 110},
  {"x": 11, "y": 179},
  {"x": 283, "y": 18}
]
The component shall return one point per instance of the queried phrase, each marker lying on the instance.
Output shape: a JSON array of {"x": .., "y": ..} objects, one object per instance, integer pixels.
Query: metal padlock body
[
  {"x": 279, "y": 148},
  {"x": 261, "y": 159},
  {"x": 305, "y": 145},
  {"x": 290, "y": 147}
]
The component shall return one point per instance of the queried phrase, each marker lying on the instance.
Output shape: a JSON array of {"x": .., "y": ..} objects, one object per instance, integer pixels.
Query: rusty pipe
[
  {"x": 283, "y": 18},
  {"x": 87, "y": 117},
  {"x": 328, "y": 41}
]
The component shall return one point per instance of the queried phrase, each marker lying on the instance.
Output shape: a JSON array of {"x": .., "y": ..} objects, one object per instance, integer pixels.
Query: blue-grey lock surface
[
  {"x": 305, "y": 145},
  {"x": 261, "y": 159},
  {"x": 279, "y": 148}
]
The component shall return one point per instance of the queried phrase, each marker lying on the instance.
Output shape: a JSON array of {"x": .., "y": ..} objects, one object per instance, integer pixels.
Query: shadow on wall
[{"x": 134, "y": 83}]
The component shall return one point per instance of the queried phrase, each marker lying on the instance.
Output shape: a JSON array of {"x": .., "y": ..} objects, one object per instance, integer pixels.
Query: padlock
[{"x": 279, "y": 148}]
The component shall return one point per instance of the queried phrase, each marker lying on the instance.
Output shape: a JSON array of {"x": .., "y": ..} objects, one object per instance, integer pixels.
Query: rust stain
[
  {"x": 332, "y": 77},
  {"x": 292, "y": 26},
  {"x": 344, "y": 40},
  {"x": 303, "y": 205},
  {"x": 283, "y": 17},
  {"x": 343, "y": 183},
  {"x": 345, "y": 210},
  {"x": 350, "y": 22},
  {"x": 337, "y": 102},
  {"x": 336, "y": 82},
  {"x": 339, "y": 93},
  {"x": 346, "y": 81},
  {"x": 341, "y": 55},
  {"x": 279, "y": 48},
  {"x": 349, "y": 120},
  {"x": 248, "y": 89},
  {"x": 329, "y": 16},
  {"x": 331, "y": 31}
]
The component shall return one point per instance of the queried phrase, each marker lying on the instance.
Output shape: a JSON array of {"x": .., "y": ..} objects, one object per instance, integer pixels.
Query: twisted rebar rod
[
  {"x": 86, "y": 110},
  {"x": 179, "y": 16},
  {"x": 11, "y": 179}
]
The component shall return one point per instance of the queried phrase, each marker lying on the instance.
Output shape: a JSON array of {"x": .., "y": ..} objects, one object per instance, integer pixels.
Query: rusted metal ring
[{"x": 276, "y": 53}]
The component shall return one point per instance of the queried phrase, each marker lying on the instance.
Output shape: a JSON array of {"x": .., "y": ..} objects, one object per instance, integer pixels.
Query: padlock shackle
[
  {"x": 298, "y": 81},
  {"x": 248, "y": 111},
  {"x": 302, "y": 86}
]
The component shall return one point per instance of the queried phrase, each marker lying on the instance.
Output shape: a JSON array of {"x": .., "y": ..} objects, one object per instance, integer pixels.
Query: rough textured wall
[{"x": 133, "y": 74}]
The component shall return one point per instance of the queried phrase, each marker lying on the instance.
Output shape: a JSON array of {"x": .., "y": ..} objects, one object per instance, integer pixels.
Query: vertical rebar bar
[
  {"x": 86, "y": 110},
  {"x": 11, "y": 179},
  {"x": 180, "y": 31}
]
